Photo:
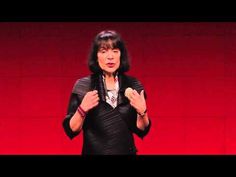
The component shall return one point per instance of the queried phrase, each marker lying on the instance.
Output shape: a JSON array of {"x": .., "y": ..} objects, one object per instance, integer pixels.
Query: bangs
[{"x": 108, "y": 44}]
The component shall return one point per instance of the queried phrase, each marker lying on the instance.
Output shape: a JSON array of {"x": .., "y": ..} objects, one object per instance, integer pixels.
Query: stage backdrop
[{"x": 188, "y": 71}]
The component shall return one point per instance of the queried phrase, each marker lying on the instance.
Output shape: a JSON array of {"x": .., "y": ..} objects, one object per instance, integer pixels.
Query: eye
[
  {"x": 103, "y": 51},
  {"x": 116, "y": 51}
]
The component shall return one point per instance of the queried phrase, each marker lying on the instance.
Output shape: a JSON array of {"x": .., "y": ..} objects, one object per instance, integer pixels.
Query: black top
[{"x": 106, "y": 130}]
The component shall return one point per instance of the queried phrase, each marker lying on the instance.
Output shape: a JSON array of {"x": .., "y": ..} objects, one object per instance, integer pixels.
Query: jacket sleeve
[
  {"x": 81, "y": 87},
  {"x": 72, "y": 107},
  {"x": 142, "y": 133},
  {"x": 137, "y": 85}
]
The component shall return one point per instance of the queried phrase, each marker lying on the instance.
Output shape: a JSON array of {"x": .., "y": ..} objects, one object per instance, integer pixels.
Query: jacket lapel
[
  {"x": 97, "y": 84},
  {"x": 123, "y": 84}
]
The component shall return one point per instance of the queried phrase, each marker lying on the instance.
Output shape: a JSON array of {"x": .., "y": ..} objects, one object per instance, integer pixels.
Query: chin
[{"x": 110, "y": 71}]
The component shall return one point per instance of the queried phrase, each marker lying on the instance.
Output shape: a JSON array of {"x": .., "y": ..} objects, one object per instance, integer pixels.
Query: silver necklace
[{"x": 112, "y": 95}]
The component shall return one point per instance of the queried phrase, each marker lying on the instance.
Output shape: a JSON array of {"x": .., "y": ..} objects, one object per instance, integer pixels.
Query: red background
[{"x": 188, "y": 70}]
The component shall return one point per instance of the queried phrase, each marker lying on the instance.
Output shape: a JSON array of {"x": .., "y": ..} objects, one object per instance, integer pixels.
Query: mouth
[{"x": 110, "y": 65}]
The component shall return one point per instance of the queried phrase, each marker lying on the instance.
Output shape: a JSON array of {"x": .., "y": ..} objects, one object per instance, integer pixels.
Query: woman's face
[{"x": 109, "y": 59}]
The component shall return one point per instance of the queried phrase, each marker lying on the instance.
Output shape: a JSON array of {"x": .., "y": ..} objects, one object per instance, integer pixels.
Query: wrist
[
  {"x": 142, "y": 114},
  {"x": 81, "y": 111},
  {"x": 82, "y": 107}
]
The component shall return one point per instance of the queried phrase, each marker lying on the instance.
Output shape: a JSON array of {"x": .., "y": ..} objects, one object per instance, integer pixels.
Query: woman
[{"x": 98, "y": 104}]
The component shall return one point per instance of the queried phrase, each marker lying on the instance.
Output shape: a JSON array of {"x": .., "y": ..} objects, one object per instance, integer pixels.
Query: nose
[{"x": 110, "y": 54}]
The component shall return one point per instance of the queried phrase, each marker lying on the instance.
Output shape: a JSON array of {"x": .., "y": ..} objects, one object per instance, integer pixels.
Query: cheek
[
  {"x": 118, "y": 62},
  {"x": 99, "y": 59},
  {"x": 100, "y": 63}
]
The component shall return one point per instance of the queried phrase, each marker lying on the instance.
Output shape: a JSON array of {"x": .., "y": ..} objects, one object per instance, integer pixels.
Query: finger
[
  {"x": 94, "y": 92},
  {"x": 94, "y": 98},
  {"x": 132, "y": 103},
  {"x": 142, "y": 94},
  {"x": 94, "y": 95},
  {"x": 131, "y": 97},
  {"x": 135, "y": 92},
  {"x": 95, "y": 103},
  {"x": 89, "y": 94}
]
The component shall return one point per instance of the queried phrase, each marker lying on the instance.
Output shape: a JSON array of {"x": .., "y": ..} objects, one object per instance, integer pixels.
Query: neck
[
  {"x": 109, "y": 80},
  {"x": 109, "y": 76}
]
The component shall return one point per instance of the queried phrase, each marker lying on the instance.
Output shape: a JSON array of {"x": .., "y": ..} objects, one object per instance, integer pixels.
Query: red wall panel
[{"x": 188, "y": 71}]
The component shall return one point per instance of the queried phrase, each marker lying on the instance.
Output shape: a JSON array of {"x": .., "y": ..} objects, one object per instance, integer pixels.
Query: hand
[
  {"x": 90, "y": 100},
  {"x": 138, "y": 101}
]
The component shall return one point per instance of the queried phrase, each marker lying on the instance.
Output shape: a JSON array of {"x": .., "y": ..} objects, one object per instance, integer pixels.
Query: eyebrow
[{"x": 106, "y": 48}]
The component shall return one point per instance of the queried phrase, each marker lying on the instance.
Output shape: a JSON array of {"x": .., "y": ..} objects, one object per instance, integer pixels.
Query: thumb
[{"x": 142, "y": 94}]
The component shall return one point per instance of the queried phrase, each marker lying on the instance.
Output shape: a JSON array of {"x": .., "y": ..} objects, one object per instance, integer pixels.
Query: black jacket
[{"x": 106, "y": 130}]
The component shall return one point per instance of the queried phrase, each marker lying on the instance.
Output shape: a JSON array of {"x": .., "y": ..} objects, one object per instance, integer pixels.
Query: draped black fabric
[{"x": 106, "y": 130}]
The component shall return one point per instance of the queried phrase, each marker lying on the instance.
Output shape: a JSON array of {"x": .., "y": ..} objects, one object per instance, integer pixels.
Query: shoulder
[
  {"x": 82, "y": 84},
  {"x": 83, "y": 80},
  {"x": 134, "y": 82}
]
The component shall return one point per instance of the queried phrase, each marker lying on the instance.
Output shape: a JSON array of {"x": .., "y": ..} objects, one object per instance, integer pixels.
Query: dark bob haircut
[{"x": 108, "y": 39}]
